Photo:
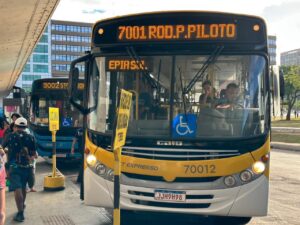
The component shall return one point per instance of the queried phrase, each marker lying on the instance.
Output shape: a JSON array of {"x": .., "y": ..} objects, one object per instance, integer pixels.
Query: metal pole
[
  {"x": 117, "y": 173},
  {"x": 54, "y": 153}
]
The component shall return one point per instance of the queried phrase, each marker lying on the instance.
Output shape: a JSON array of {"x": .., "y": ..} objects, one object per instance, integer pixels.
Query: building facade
[
  {"x": 69, "y": 41},
  {"x": 61, "y": 43},
  {"x": 290, "y": 58},
  {"x": 39, "y": 63},
  {"x": 272, "y": 49}
]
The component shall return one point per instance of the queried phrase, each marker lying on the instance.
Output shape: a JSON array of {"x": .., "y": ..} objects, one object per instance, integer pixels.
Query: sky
[{"x": 282, "y": 16}]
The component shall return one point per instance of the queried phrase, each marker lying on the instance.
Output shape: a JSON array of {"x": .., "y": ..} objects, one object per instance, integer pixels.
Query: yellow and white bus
[{"x": 182, "y": 154}]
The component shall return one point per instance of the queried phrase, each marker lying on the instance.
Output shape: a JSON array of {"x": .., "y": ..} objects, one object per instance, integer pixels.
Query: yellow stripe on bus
[{"x": 169, "y": 170}]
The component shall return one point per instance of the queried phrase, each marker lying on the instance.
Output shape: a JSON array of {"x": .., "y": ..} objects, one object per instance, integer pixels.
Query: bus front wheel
[{"x": 231, "y": 220}]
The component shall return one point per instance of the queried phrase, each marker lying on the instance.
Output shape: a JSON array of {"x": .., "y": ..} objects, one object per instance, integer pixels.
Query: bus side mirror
[
  {"x": 76, "y": 88},
  {"x": 73, "y": 81}
]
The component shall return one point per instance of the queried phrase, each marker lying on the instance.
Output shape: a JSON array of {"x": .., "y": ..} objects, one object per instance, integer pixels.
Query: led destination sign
[
  {"x": 222, "y": 31},
  {"x": 125, "y": 64},
  {"x": 59, "y": 85}
]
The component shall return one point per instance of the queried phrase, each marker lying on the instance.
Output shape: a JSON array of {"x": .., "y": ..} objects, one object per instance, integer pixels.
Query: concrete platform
[{"x": 56, "y": 208}]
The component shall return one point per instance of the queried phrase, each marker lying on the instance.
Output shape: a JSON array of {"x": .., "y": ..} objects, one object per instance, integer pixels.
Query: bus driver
[{"x": 231, "y": 98}]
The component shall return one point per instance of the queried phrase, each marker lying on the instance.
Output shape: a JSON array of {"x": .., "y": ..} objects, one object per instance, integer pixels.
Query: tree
[{"x": 291, "y": 86}]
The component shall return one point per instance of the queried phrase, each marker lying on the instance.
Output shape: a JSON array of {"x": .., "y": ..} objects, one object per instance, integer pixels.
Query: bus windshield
[
  {"x": 182, "y": 96},
  {"x": 69, "y": 116}
]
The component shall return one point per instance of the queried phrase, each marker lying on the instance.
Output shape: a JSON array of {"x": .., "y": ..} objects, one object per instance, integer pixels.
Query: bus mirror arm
[
  {"x": 73, "y": 84},
  {"x": 74, "y": 73},
  {"x": 73, "y": 81},
  {"x": 82, "y": 109}
]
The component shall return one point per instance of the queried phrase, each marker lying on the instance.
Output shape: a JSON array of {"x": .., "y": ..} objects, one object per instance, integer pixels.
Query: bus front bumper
[{"x": 244, "y": 201}]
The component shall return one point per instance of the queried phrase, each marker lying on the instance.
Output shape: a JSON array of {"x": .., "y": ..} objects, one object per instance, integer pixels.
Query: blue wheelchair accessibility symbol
[
  {"x": 184, "y": 125},
  {"x": 66, "y": 122}
]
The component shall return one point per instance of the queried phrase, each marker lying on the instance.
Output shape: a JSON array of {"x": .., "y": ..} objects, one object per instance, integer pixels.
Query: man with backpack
[{"x": 21, "y": 154}]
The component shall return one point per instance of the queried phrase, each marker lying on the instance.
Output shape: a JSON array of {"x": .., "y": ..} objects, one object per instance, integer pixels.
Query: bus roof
[{"x": 153, "y": 13}]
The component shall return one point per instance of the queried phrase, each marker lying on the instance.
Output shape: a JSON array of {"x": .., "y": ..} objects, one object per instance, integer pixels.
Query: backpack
[{"x": 24, "y": 151}]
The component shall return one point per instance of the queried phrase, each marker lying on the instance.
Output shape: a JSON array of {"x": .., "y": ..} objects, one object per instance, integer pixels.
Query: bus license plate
[
  {"x": 61, "y": 155},
  {"x": 169, "y": 196}
]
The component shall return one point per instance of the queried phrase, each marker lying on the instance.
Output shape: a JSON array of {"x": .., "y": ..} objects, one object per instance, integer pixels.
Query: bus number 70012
[{"x": 200, "y": 169}]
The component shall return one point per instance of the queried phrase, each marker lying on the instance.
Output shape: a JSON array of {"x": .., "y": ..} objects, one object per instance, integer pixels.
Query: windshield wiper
[
  {"x": 200, "y": 73},
  {"x": 132, "y": 53},
  {"x": 182, "y": 92}
]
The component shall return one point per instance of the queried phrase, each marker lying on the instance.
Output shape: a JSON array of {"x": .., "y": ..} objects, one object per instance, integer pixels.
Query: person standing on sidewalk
[
  {"x": 10, "y": 129},
  {"x": 21, "y": 152},
  {"x": 2, "y": 186},
  {"x": 4, "y": 125},
  {"x": 78, "y": 138}
]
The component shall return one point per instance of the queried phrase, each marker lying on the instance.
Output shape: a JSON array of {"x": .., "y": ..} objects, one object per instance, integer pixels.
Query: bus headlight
[
  {"x": 91, "y": 160},
  {"x": 110, "y": 175},
  {"x": 229, "y": 181},
  {"x": 258, "y": 167},
  {"x": 246, "y": 176},
  {"x": 100, "y": 169}
]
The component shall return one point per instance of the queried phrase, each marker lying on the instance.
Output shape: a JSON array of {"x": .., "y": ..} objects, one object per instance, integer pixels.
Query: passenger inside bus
[
  {"x": 208, "y": 97},
  {"x": 145, "y": 100},
  {"x": 231, "y": 98}
]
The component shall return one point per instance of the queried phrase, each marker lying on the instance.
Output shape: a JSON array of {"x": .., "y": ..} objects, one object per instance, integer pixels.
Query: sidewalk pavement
[{"x": 55, "y": 208}]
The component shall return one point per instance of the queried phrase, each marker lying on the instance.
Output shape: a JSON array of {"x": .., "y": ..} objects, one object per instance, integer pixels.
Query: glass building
[
  {"x": 61, "y": 43},
  {"x": 69, "y": 40},
  {"x": 290, "y": 58},
  {"x": 39, "y": 64},
  {"x": 272, "y": 49}
]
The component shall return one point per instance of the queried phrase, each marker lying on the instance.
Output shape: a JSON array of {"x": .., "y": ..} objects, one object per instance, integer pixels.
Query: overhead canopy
[{"x": 22, "y": 24}]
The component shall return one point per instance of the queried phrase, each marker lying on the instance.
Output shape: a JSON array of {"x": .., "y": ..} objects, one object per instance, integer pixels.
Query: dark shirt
[
  {"x": 21, "y": 146},
  {"x": 208, "y": 99},
  {"x": 225, "y": 101},
  {"x": 7, "y": 132},
  {"x": 145, "y": 104},
  {"x": 145, "y": 99}
]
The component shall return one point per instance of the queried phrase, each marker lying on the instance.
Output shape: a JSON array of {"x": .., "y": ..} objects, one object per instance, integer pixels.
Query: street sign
[
  {"x": 120, "y": 132},
  {"x": 56, "y": 181},
  {"x": 122, "y": 119},
  {"x": 53, "y": 119}
]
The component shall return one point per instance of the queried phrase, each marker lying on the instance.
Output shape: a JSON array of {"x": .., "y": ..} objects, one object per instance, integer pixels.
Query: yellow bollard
[{"x": 55, "y": 181}]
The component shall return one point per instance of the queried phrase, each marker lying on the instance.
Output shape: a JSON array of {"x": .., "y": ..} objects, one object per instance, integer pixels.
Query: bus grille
[
  {"x": 177, "y": 153},
  {"x": 177, "y": 179}
]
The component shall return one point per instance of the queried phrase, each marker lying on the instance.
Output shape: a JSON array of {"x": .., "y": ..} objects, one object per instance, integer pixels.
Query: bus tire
[{"x": 230, "y": 220}]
